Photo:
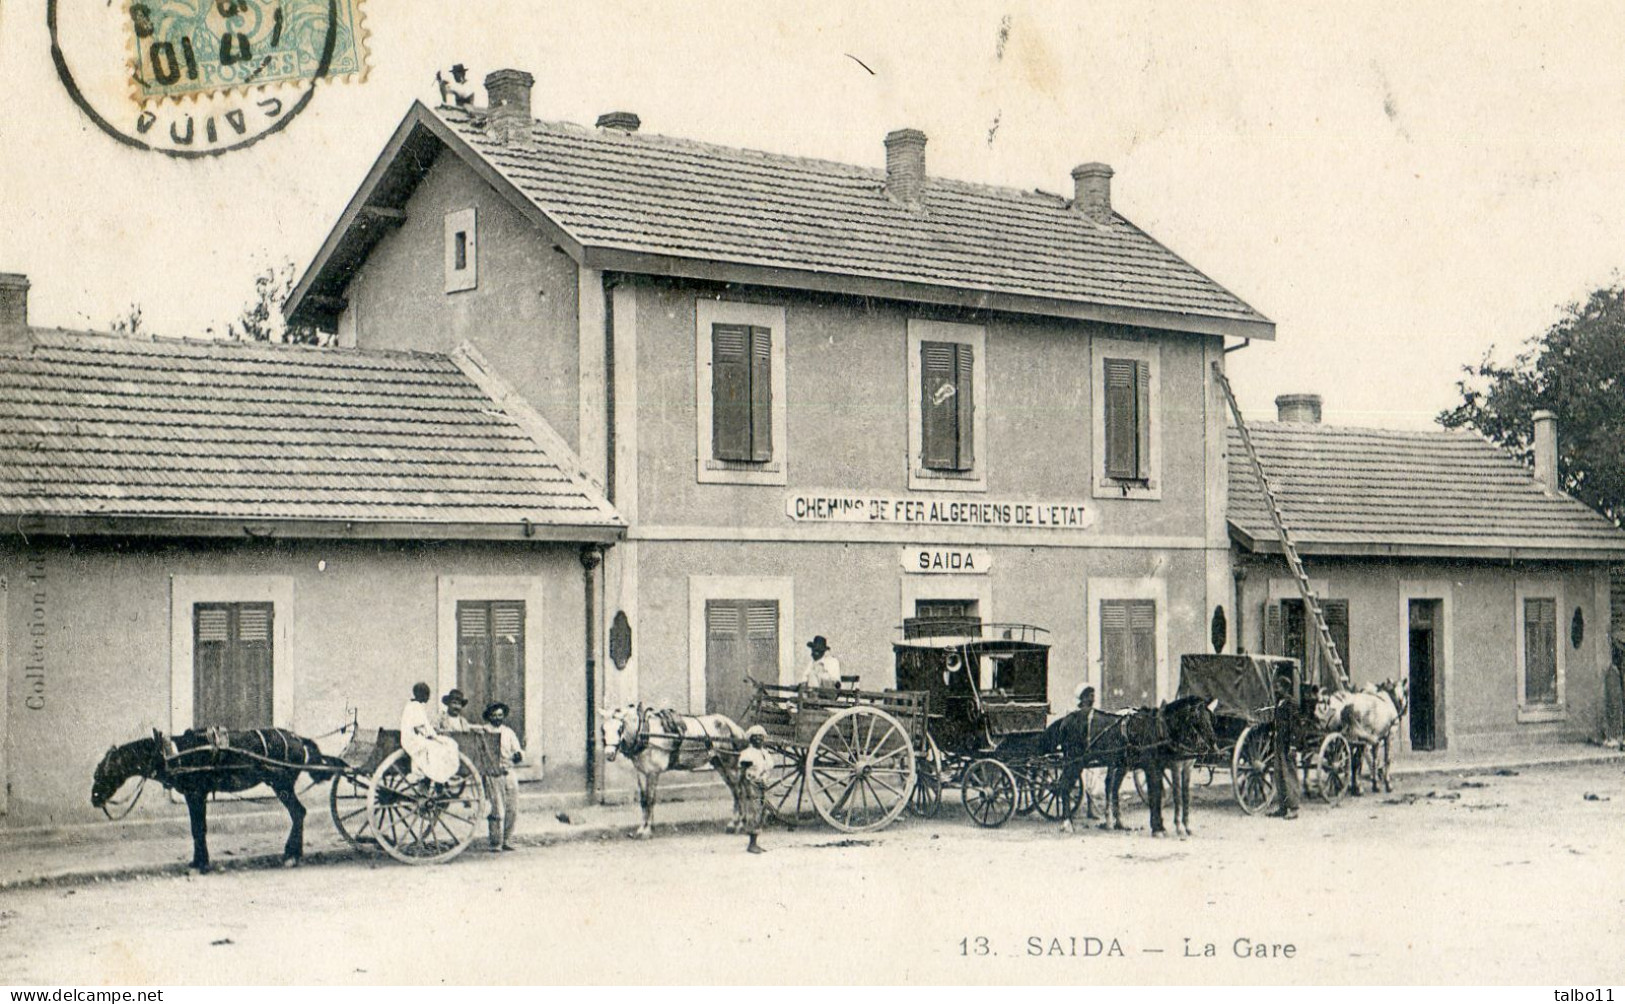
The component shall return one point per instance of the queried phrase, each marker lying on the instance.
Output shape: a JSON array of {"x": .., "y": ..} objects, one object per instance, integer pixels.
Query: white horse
[
  {"x": 657, "y": 741},
  {"x": 1367, "y": 718}
]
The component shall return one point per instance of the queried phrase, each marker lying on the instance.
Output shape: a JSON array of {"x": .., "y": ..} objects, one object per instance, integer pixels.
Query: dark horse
[
  {"x": 198, "y": 764},
  {"x": 1147, "y": 739}
]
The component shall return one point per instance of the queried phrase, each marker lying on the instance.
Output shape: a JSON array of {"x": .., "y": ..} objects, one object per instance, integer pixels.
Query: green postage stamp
[{"x": 193, "y": 48}]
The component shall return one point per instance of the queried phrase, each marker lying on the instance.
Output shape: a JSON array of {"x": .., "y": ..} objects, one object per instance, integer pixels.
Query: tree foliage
[
  {"x": 262, "y": 320},
  {"x": 1576, "y": 370},
  {"x": 130, "y": 324}
]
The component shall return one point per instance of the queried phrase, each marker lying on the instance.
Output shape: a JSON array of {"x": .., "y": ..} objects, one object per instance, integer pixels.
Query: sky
[{"x": 1399, "y": 187}]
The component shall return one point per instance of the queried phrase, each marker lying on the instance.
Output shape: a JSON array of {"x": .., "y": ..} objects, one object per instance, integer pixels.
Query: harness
[{"x": 671, "y": 725}]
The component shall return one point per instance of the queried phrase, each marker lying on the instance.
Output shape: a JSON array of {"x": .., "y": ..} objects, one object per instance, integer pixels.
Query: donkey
[
  {"x": 1148, "y": 739},
  {"x": 199, "y": 764},
  {"x": 657, "y": 741}
]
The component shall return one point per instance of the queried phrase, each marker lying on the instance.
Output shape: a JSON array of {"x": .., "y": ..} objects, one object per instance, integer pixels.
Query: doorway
[{"x": 1425, "y": 669}]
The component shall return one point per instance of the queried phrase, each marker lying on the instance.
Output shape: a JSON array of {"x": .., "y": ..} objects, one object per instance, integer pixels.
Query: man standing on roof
[{"x": 825, "y": 669}]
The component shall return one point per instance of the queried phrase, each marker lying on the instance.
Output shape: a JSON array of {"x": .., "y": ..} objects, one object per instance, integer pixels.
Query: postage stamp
[
  {"x": 200, "y": 78},
  {"x": 187, "y": 48}
]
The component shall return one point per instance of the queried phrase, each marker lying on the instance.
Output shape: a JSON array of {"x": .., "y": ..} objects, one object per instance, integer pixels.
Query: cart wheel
[
  {"x": 1053, "y": 802},
  {"x": 1333, "y": 762},
  {"x": 860, "y": 769},
  {"x": 1252, "y": 775},
  {"x": 347, "y": 801},
  {"x": 1027, "y": 785},
  {"x": 415, "y": 826},
  {"x": 926, "y": 799},
  {"x": 783, "y": 791},
  {"x": 989, "y": 791}
]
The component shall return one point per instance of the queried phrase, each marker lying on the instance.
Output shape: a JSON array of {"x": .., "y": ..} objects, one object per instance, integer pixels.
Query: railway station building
[
  {"x": 824, "y": 398},
  {"x": 1440, "y": 560}
]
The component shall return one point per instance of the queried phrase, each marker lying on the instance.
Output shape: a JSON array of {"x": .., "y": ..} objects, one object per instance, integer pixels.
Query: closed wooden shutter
[
  {"x": 1274, "y": 642},
  {"x": 741, "y": 393},
  {"x": 741, "y": 639},
  {"x": 232, "y": 660},
  {"x": 965, "y": 414},
  {"x": 947, "y": 406},
  {"x": 1142, "y": 420},
  {"x": 1540, "y": 651},
  {"x": 491, "y": 657},
  {"x": 1123, "y": 433},
  {"x": 1336, "y": 613},
  {"x": 1128, "y": 641}
]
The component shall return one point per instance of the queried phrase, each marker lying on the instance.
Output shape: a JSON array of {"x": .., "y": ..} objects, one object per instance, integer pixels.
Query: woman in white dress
[{"x": 433, "y": 755}]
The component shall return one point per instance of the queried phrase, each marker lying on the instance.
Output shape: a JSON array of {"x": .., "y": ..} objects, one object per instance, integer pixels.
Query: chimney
[
  {"x": 1301, "y": 408},
  {"x": 507, "y": 93},
  {"x": 1546, "y": 449},
  {"x": 1092, "y": 191},
  {"x": 905, "y": 166},
  {"x": 13, "y": 306},
  {"x": 623, "y": 121}
]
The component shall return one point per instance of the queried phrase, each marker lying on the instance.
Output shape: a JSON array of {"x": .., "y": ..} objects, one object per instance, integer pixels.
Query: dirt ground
[{"x": 1480, "y": 878}]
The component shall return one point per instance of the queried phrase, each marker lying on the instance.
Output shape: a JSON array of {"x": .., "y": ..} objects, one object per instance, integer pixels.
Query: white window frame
[
  {"x": 708, "y": 469},
  {"x": 462, "y": 221},
  {"x": 1149, "y": 351},
  {"x": 1542, "y": 589},
  {"x": 1147, "y": 588},
  {"x": 702, "y": 588},
  {"x": 529, "y": 589},
  {"x": 921, "y": 478},
  {"x": 185, "y": 592}
]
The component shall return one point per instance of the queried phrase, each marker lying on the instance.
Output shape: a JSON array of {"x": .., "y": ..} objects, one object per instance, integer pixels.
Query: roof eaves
[{"x": 253, "y": 528}]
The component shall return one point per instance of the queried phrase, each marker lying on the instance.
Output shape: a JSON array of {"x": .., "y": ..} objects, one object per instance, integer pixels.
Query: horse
[
  {"x": 198, "y": 764},
  {"x": 1367, "y": 718},
  {"x": 1148, "y": 739},
  {"x": 657, "y": 741}
]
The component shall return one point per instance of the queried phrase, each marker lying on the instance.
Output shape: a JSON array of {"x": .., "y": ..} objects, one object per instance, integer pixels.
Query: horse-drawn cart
[
  {"x": 375, "y": 803},
  {"x": 1244, "y": 687}
]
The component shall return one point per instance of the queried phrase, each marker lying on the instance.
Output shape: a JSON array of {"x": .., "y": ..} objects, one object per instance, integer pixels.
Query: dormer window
[{"x": 462, "y": 251}]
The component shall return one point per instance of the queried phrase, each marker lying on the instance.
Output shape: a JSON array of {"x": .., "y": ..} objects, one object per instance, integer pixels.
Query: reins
[{"x": 127, "y": 808}]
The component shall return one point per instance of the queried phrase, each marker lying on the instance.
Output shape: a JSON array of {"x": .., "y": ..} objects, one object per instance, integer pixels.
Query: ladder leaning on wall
[{"x": 1328, "y": 649}]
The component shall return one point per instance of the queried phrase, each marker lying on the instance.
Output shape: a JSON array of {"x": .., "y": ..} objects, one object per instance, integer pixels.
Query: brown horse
[
  {"x": 199, "y": 764},
  {"x": 657, "y": 741},
  {"x": 1148, "y": 739}
]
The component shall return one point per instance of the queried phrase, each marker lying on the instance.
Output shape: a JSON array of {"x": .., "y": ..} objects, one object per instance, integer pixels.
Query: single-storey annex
[
  {"x": 1440, "y": 560},
  {"x": 197, "y": 533}
]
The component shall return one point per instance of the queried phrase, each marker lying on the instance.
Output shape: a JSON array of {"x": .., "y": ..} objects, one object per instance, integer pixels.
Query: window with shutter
[
  {"x": 947, "y": 405},
  {"x": 741, "y": 640},
  {"x": 1540, "y": 651},
  {"x": 1127, "y": 393},
  {"x": 232, "y": 665},
  {"x": 1128, "y": 656},
  {"x": 1336, "y": 613},
  {"x": 741, "y": 393},
  {"x": 491, "y": 657}
]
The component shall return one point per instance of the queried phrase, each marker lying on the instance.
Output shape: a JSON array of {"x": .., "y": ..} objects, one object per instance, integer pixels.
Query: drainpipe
[{"x": 592, "y": 556}]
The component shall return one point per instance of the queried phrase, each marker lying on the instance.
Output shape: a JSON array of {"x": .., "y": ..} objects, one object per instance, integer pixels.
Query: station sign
[
  {"x": 902, "y": 510},
  {"x": 945, "y": 560}
]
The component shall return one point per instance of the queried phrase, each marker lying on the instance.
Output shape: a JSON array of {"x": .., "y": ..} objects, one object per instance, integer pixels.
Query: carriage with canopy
[
  {"x": 969, "y": 699},
  {"x": 1244, "y": 687}
]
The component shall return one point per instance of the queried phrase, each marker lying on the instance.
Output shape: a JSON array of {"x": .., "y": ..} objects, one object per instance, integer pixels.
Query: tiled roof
[
  {"x": 111, "y": 427},
  {"x": 1379, "y": 491},
  {"x": 679, "y": 201}
]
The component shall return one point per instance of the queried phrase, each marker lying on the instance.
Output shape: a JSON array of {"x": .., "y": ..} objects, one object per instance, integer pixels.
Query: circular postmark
[{"x": 198, "y": 78}]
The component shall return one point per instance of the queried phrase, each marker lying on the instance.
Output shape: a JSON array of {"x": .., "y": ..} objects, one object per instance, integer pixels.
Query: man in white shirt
[
  {"x": 433, "y": 755},
  {"x": 825, "y": 670},
  {"x": 451, "y": 719}
]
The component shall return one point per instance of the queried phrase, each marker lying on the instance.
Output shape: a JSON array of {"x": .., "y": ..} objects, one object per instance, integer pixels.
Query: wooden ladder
[{"x": 1328, "y": 649}]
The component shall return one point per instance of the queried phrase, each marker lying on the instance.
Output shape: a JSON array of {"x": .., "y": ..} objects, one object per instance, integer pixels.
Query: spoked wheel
[
  {"x": 784, "y": 791},
  {"x": 1026, "y": 788},
  {"x": 989, "y": 791},
  {"x": 1334, "y": 762},
  {"x": 347, "y": 801},
  {"x": 423, "y": 822},
  {"x": 1054, "y": 801},
  {"x": 1252, "y": 775},
  {"x": 860, "y": 769},
  {"x": 926, "y": 799}
]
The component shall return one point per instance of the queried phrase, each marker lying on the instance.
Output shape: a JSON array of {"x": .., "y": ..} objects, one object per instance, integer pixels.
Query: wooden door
[
  {"x": 1128, "y": 654},
  {"x": 1423, "y": 669}
]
